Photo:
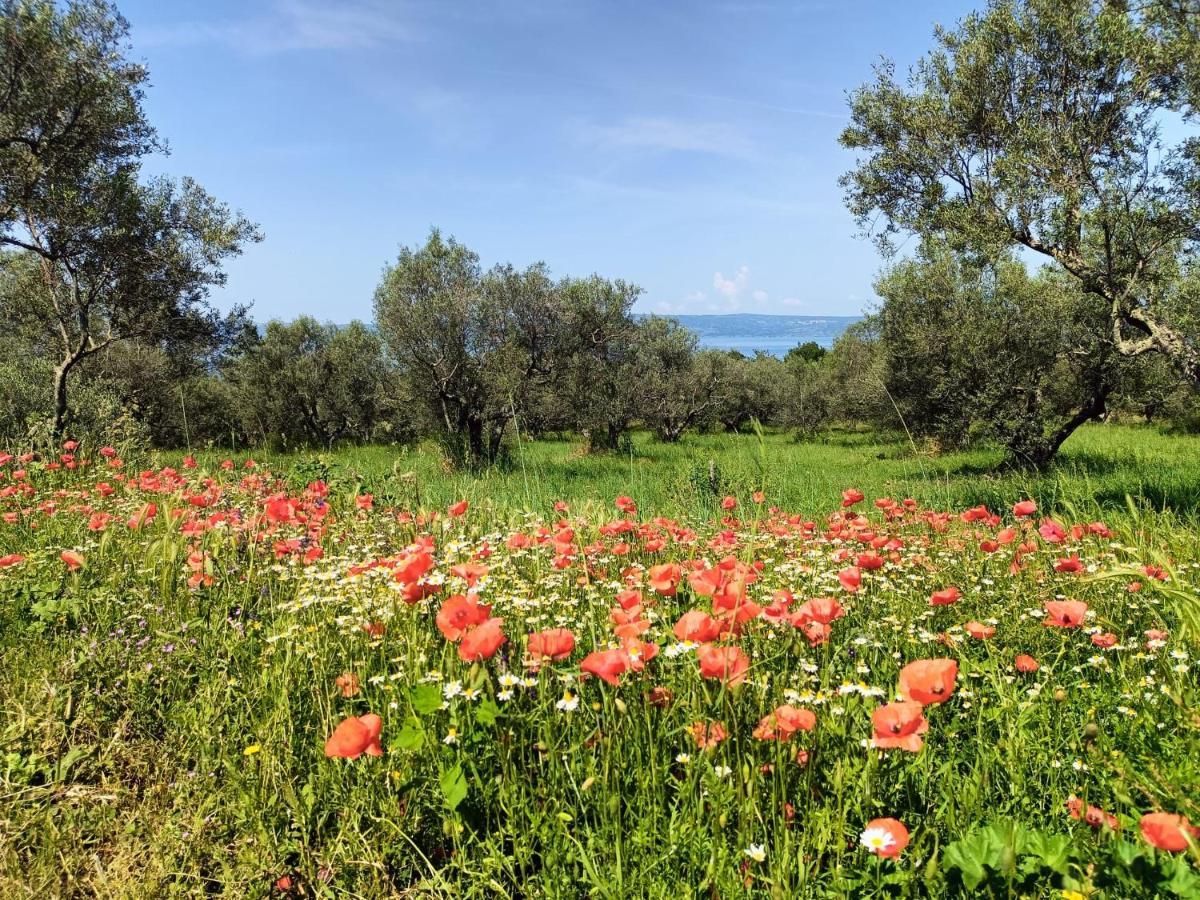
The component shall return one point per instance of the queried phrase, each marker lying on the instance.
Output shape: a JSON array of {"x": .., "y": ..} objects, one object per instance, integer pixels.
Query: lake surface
[{"x": 776, "y": 335}]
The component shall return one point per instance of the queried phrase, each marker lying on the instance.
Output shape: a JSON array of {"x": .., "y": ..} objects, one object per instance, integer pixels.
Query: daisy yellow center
[{"x": 877, "y": 839}]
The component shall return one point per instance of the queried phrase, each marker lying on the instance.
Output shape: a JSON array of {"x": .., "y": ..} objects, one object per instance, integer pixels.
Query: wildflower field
[{"x": 326, "y": 676}]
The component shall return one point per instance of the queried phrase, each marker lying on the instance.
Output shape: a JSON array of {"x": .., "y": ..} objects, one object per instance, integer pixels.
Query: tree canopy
[{"x": 1065, "y": 127}]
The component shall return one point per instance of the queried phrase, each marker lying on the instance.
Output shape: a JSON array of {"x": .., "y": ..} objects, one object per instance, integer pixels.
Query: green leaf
[
  {"x": 1052, "y": 851},
  {"x": 487, "y": 712},
  {"x": 1184, "y": 882},
  {"x": 960, "y": 857},
  {"x": 426, "y": 698},
  {"x": 69, "y": 759},
  {"x": 454, "y": 786},
  {"x": 411, "y": 737}
]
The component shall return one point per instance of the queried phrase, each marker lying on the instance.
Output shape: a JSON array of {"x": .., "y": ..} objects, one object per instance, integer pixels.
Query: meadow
[{"x": 736, "y": 666}]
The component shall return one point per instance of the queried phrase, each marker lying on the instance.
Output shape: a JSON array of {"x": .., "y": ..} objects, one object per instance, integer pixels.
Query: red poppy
[
  {"x": 850, "y": 579},
  {"x": 1092, "y": 815},
  {"x": 885, "y": 837},
  {"x": 784, "y": 721},
  {"x": 1104, "y": 640},
  {"x": 929, "y": 680},
  {"x": 280, "y": 509},
  {"x": 1024, "y": 509},
  {"x": 375, "y": 630},
  {"x": 457, "y": 509},
  {"x": 11, "y": 560},
  {"x": 728, "y": 664},
  {"x": 72, "y": 559},
  {"x": 729, "y": 503},
  {"x": 347, "y": 683},
  {"x": 471, "y": 572},
  {"x": 482, "y": 641},
  {"x": 553, "y": 643},
  {"x": 1155, "y": 638},
  {"x": 355, "y": 736},
  {"x": 979, "y": 631},
  {"x": 1065, "y": 613},
  {"x": 698, "y": 626},
  {"x": 1052, "y": 532},
  {"x": 945, "y": 597},
  {"x": 1068, "y": 565},
  {"x": 607, "y": 665},
  {"x": 850, "y": 496},
  {"x": 659, "y": 697},
  {"x": 898, "y": 726},
  {"x": 664, "y": 579},
  {"x": 708, "y": 734},
  {"x": 629, "y": 598},
  {"x": 459, "y": 614},
  {"x": 869, "y": 561},
  {"x": 1026, "y": 663},
  {"x": 817, "y": 632},
  {"x": 1168, "y": 832},
  {"x": 820, "y": 609}
]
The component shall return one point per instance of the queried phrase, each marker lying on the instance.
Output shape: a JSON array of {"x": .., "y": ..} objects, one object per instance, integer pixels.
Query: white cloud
[
  {"x": 668, "y": 135},
  {"x": 290, "y": 25},
  {"x": 732, "y": 287},
  {"x": 759, "y": 296}
]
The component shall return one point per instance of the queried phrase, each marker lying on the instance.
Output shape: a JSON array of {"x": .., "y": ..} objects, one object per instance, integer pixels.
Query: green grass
[
  {"x": 1100, "y": 466},
  {"x": 161, "y": 739}
]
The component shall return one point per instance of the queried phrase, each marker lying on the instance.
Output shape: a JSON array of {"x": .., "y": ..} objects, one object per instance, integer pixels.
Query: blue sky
[{"x": 689, "y": 147}]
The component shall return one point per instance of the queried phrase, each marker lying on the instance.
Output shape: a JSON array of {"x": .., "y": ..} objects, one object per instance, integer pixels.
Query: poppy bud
[
  {"x": 587, "y": 784},
  {"x": 1091, "y": 731},
  {"x": 1059, "y": 695},
  {"x": 620, "y": 704},
  {"x": 722, "y": 820}
]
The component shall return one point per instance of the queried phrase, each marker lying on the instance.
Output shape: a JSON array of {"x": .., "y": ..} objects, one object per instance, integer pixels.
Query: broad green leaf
[
  {"x": 487, "y": 712},
  {"x": 411, "y": 737},
  {"x": 426, "y": 698},
  {"x": 454, "y": 786}
]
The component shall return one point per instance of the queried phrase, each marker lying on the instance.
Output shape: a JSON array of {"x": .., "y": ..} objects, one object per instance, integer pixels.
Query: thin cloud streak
[
  {"x": 291, "y": 25},
  {"x": 659, "y": 133}
]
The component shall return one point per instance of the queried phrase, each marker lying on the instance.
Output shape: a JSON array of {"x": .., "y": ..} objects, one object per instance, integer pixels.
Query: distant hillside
[{"x": 749, "y": 332}]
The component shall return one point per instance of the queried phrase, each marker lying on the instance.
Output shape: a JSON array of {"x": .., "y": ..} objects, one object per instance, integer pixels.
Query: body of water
[{"x": 749, "y": 333}]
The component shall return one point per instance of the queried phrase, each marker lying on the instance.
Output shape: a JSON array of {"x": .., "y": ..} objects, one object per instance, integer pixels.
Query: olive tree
[
  {"x": 117, "y": 259},
  {"x": 1041, "y": 124},
  {"x": 471, "y": 345},
  {"x": 302, "y": 383},
  {"x": 681, "y": 387},
  {"x": 600, "y": 375},
  {"x": 981, "y": 347}
]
